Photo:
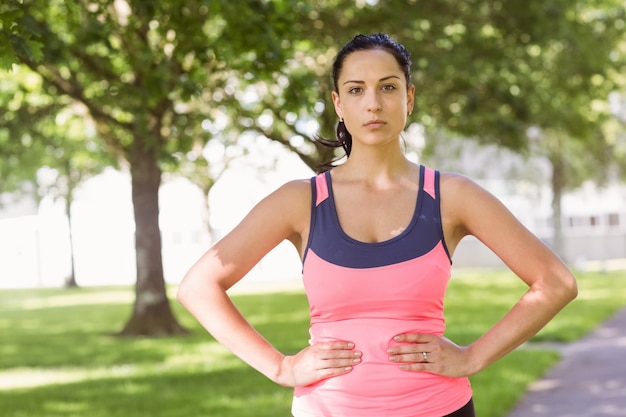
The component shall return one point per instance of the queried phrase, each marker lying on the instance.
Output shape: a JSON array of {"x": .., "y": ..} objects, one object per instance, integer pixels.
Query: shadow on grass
[
  {"x": 237, "y": 392},
  {"x": 81, "y": 335},
  {"x": 72, "y": 336}
]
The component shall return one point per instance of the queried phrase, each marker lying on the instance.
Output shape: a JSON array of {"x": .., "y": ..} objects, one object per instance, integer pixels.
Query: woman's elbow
[
  {"x": 185, "y": 290},
  {"x": 573, "y": 289},
  {"x": 567, "y": 288}
]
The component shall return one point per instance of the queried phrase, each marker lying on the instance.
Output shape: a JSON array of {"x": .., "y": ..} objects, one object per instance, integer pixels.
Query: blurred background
[{"x": 134, "y": 134}]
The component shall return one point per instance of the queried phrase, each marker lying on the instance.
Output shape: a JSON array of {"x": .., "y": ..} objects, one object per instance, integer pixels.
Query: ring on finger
[{"x": 425, "y": 356}]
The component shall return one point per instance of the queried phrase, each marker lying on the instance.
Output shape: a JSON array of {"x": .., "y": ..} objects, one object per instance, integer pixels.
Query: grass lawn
[{"x": 58, "y": 358}]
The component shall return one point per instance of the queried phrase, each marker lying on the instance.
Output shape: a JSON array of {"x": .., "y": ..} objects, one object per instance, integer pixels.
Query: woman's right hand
[{"x": 317, "y": 362}]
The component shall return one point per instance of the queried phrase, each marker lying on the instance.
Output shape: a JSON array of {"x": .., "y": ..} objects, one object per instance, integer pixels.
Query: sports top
[{"x": 367, "y": 293}]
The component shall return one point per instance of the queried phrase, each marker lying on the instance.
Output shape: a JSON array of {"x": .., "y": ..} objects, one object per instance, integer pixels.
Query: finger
[
  {"x": 414, "y": 338},
  {"x": 409, "y": 349},
  {"x": 332, "y": 372},
  {"x": 340, "y": 362},
  {"x": 414, "y": 357},
  {"x": 339, "y": 354},
  {"x": 415, "y": 367},
  {"x": 335, "y": 345},
  {"x": 412, "y": 348},
  {"x": 336, "y": 349}
]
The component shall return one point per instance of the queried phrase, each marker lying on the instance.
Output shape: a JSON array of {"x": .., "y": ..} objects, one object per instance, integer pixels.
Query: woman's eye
[
  {"x": 355, "y": 90},
  {"x": 388, "y": 87}
]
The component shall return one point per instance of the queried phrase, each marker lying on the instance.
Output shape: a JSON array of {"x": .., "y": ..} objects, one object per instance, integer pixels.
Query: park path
[{"x": 589, "y": 381}]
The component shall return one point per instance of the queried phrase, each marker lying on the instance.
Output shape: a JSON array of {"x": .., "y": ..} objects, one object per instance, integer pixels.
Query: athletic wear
[
  {"x": 367, "y": 293},
  {"x": 466, "y": 411}
]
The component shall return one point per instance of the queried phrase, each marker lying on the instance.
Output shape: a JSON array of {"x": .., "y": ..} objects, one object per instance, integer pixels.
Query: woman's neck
[{"x": 376, "y": 167}]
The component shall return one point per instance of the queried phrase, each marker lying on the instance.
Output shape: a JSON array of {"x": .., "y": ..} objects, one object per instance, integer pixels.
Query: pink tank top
[{"x": 369, "y": 292}]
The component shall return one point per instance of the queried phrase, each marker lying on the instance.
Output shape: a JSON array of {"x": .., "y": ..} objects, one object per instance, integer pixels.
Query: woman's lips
[{"x": 373, "y": 124}]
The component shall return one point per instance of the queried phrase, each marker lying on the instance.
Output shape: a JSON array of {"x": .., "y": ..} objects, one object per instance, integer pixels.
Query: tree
[
  {"x": 206, "y": 162},
  {"x": 52, "y": 137},
  {"x": 73, "y": 154},
  {"x": 616, "y": 129},
  {"x": 15, "y": 39},
  {"x": 140, "y": 69}
]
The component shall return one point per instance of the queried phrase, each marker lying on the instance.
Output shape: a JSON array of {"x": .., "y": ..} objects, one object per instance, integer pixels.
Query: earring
[{"x": 341, "y": 120}]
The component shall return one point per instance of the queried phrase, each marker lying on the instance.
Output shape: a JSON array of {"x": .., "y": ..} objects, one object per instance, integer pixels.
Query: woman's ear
[
  {"x": 410, "y": 99},
  {"x": 337, "y": 103}
]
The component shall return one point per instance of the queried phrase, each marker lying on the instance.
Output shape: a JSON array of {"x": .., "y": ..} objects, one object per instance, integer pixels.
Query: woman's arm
[
  {"x": 468, "y": 209},
  {"x": 282, "y": 215}
]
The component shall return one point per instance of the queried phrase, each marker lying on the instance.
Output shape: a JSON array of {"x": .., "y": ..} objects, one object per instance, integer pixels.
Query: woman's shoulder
[
  {"x": 453, "y": 175},
  {"x": 287, "y": 208},
  {"x": 296, "y": 186},
  {"x": 292, "y": 194},
  {"x": 455, "y": 180},
  {"x": 457, "y": 187},
  {"x": 464, "y": 195}
]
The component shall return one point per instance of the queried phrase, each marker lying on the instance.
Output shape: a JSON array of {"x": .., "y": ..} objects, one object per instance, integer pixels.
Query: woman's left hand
[{"x": 430, "y": 353}]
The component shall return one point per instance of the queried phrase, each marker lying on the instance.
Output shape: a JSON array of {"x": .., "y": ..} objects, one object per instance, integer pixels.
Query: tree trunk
[
  {"x": 152, "y": 315},
  {"x": 70, "y": 280},
  {"x": 206, "y": 214},
  {"x": 558, "y": 186}
]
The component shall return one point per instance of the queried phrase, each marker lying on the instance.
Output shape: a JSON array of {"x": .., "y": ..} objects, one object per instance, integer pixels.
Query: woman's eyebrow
[{"x": 363, "y": 82}]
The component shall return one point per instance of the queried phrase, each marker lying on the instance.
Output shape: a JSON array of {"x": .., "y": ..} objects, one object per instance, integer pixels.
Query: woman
[{"x": 376, "y": 235}]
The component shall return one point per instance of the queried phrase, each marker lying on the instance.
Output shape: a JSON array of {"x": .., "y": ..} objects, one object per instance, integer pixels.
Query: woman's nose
[{"x": 373, "y": 103}]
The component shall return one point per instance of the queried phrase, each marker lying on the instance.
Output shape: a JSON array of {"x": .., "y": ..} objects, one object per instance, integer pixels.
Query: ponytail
[
  {"x": 344, "y": 137},
  {"x": 344, "y": 140}
]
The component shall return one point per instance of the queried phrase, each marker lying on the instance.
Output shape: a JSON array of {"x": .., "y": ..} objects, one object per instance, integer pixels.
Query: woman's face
[{"x": 373, "y": 98}]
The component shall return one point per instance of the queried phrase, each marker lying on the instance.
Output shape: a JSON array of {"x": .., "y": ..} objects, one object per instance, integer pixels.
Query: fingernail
[
  {"x": 396, "y": 338},
  {"x": 350, "y": 345}
]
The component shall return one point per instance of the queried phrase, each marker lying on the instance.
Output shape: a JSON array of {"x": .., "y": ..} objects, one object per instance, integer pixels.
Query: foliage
[
  {"x": 21, "y": 152},
  {"x": 61, "y": 359},
  {"x": 16, "y": 38},
  {"x": 615, "y": 130},
  {"x": 482, "y": 69},
  {"x": 42, "y": 131}
]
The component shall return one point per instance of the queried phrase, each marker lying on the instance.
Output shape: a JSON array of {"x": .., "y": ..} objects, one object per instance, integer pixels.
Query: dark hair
[{"x": 362, "y": 43}]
